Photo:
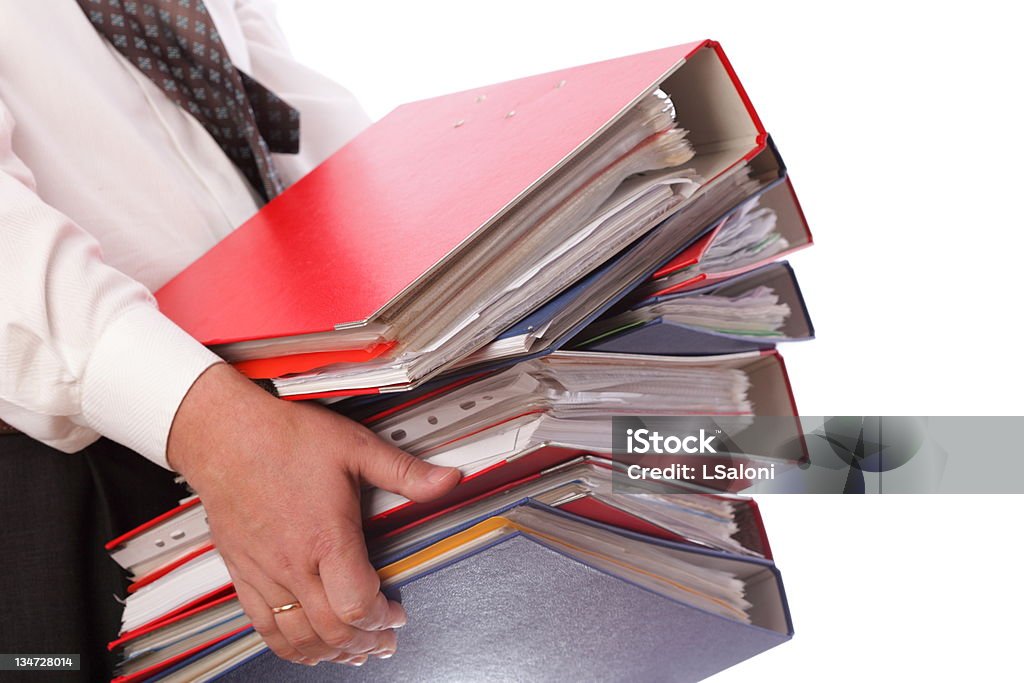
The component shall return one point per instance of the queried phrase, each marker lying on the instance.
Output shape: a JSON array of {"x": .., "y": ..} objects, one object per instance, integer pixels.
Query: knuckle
[
  {"x": 388, "y": 640},
  {"x": 403, "y": 466},
  {"x": 340, "y": 640},
  {"x": 305, "y": 640},
  {"x": 285, "y": 561},
  {"x": 361, "y": 611},
  {"x": 356, "y": 614}
]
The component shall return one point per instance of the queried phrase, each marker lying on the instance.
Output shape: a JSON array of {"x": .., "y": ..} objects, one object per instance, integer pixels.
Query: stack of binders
[{"x": 485, "y": 279}]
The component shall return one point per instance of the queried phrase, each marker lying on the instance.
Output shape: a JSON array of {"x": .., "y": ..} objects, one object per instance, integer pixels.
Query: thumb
[{"x": 395, "y": 470}]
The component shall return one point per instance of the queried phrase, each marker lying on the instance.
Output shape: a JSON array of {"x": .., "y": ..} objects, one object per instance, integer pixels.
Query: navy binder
[
  {"x": 521, "y": 609},
  {"x": 665, "y": 337}
]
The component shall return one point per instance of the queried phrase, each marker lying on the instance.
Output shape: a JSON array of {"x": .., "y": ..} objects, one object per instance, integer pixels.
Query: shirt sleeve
[
  {"x": 330, "y": 114},
  {"x": 84, "y": 350}
]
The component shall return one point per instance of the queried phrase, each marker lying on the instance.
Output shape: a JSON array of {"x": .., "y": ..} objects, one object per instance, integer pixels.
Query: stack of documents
[
  {"x": 451, "y": 220},
  {"x": 485, "y": 280},
  {"x": 701, "y": 561}
]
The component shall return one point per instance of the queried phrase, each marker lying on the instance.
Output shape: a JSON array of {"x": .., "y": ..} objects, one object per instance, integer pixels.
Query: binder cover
[
  {"x": 394, "y": 204},
  {"x": 521, "y": 610},
  {"x": 792, "y": 225}
]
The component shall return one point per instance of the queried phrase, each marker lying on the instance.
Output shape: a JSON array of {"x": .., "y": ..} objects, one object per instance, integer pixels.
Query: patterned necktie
[{"x": 175, "y": 44}]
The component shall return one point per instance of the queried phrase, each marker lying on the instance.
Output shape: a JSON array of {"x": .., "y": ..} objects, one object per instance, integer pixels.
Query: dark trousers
[{"x": 57, "y": 583}]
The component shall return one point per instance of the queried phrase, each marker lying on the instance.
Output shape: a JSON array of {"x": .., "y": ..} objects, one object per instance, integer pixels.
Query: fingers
[
  {"x": 395, "y": 470},
  {"x": 341, "y": 634},
  {"x": 351, "y": 586},
  {"x": 264, "y": 623},
  {"x": 312, "y": 632},
  {"x": 344, "y": 616}
]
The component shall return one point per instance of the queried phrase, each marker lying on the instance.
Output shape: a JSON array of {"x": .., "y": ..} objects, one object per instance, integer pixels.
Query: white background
[{"x": 902, "y": 127}]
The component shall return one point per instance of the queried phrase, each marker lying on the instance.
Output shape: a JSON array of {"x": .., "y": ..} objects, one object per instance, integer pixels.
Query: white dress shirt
[{"x": 107, "y": 190}]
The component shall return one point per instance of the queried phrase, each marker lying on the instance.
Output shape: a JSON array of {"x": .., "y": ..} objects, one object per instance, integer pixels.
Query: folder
[
  {"x": 689, "y": 269},
  {"x": 643, "y": 326},
  {"x": 554, "y": 324},
  {"x": 187, "y": 625},
  {"x": 727, "y": 525},
  {"x": 211, "y": 662},
  {"x": 492, "y": 452},
  {"x": 516, "y": 449},
  {"x": 420, "y": 208},
  {"x": 513, "y": 592},
  {"x": 585, "y": 487},
  {"x": 148, "y": 651},
  {"x": 162, "y": 540},
  {"x": 582, "y": 485}
]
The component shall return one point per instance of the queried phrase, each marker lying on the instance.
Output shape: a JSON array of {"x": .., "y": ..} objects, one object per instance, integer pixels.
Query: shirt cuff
[{"x": 136, "y": 378}]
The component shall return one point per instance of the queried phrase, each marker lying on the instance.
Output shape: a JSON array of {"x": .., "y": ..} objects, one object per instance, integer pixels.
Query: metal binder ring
[{"x": 285, "y": 608}]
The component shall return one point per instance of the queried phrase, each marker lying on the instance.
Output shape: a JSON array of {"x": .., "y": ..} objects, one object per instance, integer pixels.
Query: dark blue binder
[
  {"x": 665, "y": 337},
  {"x": 521, "y": 609}
]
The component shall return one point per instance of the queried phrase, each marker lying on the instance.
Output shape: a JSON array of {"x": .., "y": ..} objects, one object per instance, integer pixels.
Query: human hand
[{"x": 280, "y": 482}]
